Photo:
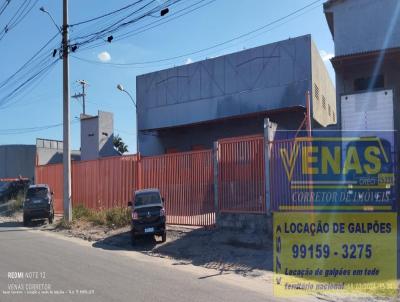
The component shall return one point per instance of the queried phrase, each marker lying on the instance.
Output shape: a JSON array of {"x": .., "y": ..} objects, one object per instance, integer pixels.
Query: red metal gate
[
  {"x": 241, "y": 177},
  {"x": 186, "y": 182}
]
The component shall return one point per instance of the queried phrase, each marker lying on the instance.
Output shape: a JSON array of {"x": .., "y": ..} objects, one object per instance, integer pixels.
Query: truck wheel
[
  {"x": 133, "y": 239},
  {"x": 51, "y": 218},
  {"x": 164, "y": 237},
  {"x": 26, "y": 221}
]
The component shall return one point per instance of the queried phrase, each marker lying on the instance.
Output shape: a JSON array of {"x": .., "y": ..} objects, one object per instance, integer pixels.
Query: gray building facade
[
  {"x": 97, "y": 134},
  {"x": 17, "y": 160},
  {"x": 50, "y": 151},
  {"x": 189, "y": 107},
  {"x": 366, "y": 34}
]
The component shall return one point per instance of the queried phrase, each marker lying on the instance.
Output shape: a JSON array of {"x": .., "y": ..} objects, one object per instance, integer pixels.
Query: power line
[
  {"x": 6, "y": 100},
  {"x": 24, "y": 9},
  {"x": 4, "y": 6},
  {"x": 210, "y": 47},
  {"x": 107, "y": 14},
  {"x": 122, "y": 23},
  {"x": 191, "y": 8},
  {"x": 29, "y": 61},
  {"x": 32, "y": 129}
]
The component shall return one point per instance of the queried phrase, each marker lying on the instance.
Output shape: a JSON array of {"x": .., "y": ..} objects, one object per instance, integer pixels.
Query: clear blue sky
[{"x": 217, "y": 22}]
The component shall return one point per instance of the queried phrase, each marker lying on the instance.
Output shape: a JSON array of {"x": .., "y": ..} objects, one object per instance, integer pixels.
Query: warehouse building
[
  {"x": 17, "y": 160},
  {"x": 189, "y": 107}
]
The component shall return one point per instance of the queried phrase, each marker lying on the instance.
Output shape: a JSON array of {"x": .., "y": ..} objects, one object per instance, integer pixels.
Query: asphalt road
[{"x": 67, "y": 265}]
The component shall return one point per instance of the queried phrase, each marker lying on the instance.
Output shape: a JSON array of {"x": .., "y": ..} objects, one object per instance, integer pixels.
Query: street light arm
[
  {"x": 52, "y": 19},
  {"x": 133, "y": 101}
]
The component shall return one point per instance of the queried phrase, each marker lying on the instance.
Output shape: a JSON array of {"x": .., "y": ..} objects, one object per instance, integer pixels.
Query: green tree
[{"x": 119, "y": 144}]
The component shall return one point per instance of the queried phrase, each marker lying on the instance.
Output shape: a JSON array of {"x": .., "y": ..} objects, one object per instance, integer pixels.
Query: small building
[
  {"x": 366, "y": 34},
  {"x": 97, "y": 135},
  {"x": 50, "y": 151},
  {"x": 189, "y": 107}
]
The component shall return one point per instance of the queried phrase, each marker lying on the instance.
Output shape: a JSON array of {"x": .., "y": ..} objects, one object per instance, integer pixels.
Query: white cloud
[
  {"x": 188, "y": 61},
  {"x": 104, "y": 56},
  {"x": 326, "y": 56}
]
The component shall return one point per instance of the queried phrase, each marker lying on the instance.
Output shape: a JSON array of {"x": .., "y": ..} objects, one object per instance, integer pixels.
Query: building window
[
  {"x": 323, "y": 102},
  {"x": 368, "y": 83},
  {"x": 334, "y": 117},
  {"x": 329, "y": 109}
]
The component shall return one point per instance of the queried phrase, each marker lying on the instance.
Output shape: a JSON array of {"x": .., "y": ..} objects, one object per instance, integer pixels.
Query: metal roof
[{"x": 376, "y": 52}]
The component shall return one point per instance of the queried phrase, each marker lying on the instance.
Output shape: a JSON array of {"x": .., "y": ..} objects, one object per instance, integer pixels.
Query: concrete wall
[
  {"x": 246, "y": 223},
  {"x": 186, "y": 138},
  {"x": 16, "y": 160},
  {"x": 268, "y": 77},
  {"x": 97, "y": 133},
  {"x": 106, "y": 134},
  {"x": 364, "y": 25},
  {"x": 51, "y": 152},
  {"x": 199, "y": 103},
  {"x": 323, "y": 96},
  {"x": 89, "y": 138}
]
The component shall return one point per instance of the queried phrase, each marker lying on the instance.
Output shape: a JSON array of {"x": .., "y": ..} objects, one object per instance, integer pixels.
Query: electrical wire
[
  {"x": 210, "y": 47},
  {"x": 6, "y": 100},
  {"x": 4, "y": 6},
  {"x": 106, "y": 15},
  {"x": 156, "y": 23},
  {"x": 122, "y": 23},
  {"x": 32, "y": 129},
  {"x": 24, "y": 9}
]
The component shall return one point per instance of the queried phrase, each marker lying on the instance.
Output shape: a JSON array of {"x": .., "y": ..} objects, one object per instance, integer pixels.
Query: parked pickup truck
[{"x": 148, "y": 214}]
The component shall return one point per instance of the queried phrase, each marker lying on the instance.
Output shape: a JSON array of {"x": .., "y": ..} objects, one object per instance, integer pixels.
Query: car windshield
[
  {"x": 36, "y": 193},
  {"x": 143, "y": 199}
]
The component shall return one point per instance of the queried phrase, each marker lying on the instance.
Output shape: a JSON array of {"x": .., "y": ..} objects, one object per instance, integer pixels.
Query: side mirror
[
  {"x": 163, "y": 199},
  {"x": 129, "y": 203},
  {"x": 52, "y": 192}
]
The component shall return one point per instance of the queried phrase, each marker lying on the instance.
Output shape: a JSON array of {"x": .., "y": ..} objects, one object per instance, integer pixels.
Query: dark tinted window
[
  {"x": 37, "y": 192},
  {"x": 147, "y": 198},
  {"x": 369, "y": 83}
]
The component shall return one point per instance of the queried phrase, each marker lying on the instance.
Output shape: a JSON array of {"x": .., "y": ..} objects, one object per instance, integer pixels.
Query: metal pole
[
  {"x": 215, "y": 158},
  {"x": 137, "y": 123},
  {"x": 66, "y": 119},
  {"x": 83, "y": 97},
  {"x": 267, "y": 165}
]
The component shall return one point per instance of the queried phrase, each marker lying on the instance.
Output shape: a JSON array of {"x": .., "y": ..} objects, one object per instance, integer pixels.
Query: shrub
[
  {"x": 118, "y": 217},
  {"x": 115, "y": 217},
  {"x": 17, "y": 204},
  {"x": 80, "y": 211}
]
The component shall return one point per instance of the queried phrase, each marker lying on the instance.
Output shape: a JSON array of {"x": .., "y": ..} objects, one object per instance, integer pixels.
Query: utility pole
[
  {"x": 66, "y": 118},
  {"x": 81, "y": 95}
]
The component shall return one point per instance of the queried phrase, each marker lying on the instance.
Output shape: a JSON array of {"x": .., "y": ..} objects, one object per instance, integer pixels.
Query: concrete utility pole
[
  {"x": 66, "y": 118},
  {"x": 82, "y": 95}
]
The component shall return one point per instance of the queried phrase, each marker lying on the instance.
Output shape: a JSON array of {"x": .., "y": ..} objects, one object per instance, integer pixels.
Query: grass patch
[
  {"x": 115, "y": 217},
  {"x": 17, "y": 204},
  {"x": 63, "y": 224}
]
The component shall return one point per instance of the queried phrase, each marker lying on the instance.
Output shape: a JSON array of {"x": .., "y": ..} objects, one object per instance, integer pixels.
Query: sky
[{"x": 215, "y": 22}]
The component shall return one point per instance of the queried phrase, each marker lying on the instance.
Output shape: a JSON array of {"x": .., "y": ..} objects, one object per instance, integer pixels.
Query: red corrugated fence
[{"x": 241, "y": 177}]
